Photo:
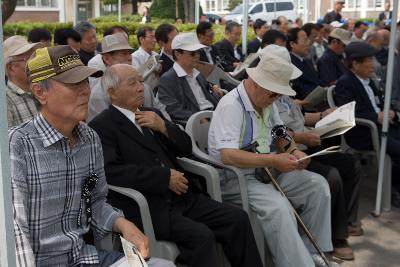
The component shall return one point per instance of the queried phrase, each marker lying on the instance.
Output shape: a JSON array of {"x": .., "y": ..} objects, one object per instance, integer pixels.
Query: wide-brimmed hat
[
  {"x": 18, "y": 45},
  {"x": 341, "y": 34},
  {"x": 61, "y": 63},
  {"x": 187, "y": 42},
  {"x": 275, "y": 70},
  {"x": 115, "y": 42}
]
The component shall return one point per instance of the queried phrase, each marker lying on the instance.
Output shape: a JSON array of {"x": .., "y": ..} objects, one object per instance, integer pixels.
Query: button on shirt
[
  {"x": 226, "y": 128},
  {"x": 197, "y": 91},
  {"x": 47, "y": 176},
  {"x": 370, "y": 93},
  {"x": 21, "y": 107}
]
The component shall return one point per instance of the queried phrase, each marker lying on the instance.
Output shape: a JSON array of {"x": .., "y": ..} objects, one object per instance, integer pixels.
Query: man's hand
[
  {"x": 131, "y": 233},
  {"x": 217, "y": 91},
  {"x": 235, "y": 64},
  {"x": 392, "y": 115},
  {"x": 299, "y": 155},
  {"x": 327, "y": 112},
  {"x": 150, "y": 119},
  {"x": 300, "y": 102},
  {"x": 284, "y": 162},
  {"x": 309, "y": 139},
  {"x": 177, "y": 182}
]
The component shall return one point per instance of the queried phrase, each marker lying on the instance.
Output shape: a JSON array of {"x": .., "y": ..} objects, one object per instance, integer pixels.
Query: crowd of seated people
[{"x": 83, "y": 114}]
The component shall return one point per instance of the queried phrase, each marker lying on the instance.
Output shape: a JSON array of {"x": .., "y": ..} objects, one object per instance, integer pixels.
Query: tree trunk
[
  {"x": 134, "y": 7},
  {"x": 8, "y": 7}
]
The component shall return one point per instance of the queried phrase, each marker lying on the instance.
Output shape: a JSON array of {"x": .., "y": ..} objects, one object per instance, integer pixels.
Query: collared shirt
[
  {"x": 99, "y": 99},
  {"x": 21, "y": 107},
  {"x": 47, "y": 176},
  {"x": 236, "y": 53},
  {"x": 130, "y": 115},
  {"x": 140, "y": 56},
  {"x": 370, "y": 93},
  {"x": 299, "y": 57},
  {"x": 195, "y": 86},
  {"x": 319, "y": 49},
  {"x": 228, "y": 119},
  {"x": 208, "y": 50}
]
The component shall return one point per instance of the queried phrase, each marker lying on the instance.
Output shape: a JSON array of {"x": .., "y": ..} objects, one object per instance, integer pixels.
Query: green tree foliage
[
  {"x": 233, "y": 3},
  {"x": 166, "y": 9}
]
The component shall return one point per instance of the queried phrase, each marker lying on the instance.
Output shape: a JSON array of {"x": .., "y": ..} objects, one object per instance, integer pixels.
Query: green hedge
[{"x": 105, "y": 22}]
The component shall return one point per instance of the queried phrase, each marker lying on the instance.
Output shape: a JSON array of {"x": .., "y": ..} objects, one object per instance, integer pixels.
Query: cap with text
[{"x": 61, "y": 63}]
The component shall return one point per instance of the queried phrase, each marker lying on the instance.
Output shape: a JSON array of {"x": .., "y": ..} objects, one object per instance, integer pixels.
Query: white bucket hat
[
  {"x": 275, "y": 70},
  {"x": 187, "y": 42}
]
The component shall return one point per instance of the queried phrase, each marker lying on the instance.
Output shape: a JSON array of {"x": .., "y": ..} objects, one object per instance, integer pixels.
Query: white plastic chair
[
  {"x": 386, "y": 186},
  {"x": 158, "y": 248},
  {"x": 197, "y": 127}
]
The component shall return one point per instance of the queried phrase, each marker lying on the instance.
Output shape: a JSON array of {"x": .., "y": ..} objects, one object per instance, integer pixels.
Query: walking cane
[{"x": 299, "y": 220}]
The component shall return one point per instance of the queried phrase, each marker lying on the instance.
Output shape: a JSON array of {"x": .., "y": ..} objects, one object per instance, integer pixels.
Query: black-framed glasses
[{"x": 86, "y": 197}]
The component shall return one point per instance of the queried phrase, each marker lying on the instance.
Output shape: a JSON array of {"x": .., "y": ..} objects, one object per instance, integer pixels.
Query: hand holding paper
[
  {"x": 332, "y": 149},
  {"x": 132, "y": 255}
]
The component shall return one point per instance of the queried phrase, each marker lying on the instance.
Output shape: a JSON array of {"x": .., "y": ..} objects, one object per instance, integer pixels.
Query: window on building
[
  {"x": 375, "y": 3},
  {"x": 353, "y": 4},
  {"x": 37, "y": 3}
]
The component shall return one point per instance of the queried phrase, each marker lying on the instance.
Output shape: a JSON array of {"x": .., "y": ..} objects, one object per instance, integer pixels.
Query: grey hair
[
  {"x": 83, "y": 27},
  {"x": 373, "y": 35},
  {"x": 110, "y": 78},
  {"x": 44, "y": 85}
]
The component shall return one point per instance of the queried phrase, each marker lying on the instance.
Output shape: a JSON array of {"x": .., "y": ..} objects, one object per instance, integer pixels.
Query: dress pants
[
  {"x": 309, "y": 194},
  {"x": 198, "y": 223}
]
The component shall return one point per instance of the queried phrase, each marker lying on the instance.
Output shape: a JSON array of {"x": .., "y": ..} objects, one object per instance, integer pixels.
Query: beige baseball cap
[
  {"x": 17, "y": 45},
  {"x": 275, "y": 70},
  {"x": 61, "y": 63},
  {"x": 341, "y": 34},
  {"x": 115, "y": 42}
]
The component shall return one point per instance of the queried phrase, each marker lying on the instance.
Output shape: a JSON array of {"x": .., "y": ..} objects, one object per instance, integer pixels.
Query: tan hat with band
[
  {"x": 341, "y": 34},
  {"x": 17, "y": 45},
  {"x": 115, "y": 42},
  {"x": 61, "y": 63},
  {"x": 275, "y": 70}
]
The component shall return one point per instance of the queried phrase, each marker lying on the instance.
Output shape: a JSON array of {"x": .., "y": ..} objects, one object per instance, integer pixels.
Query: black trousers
[
  {"x": 198, "y": 223},
  {"x": 342, "y": 172}
]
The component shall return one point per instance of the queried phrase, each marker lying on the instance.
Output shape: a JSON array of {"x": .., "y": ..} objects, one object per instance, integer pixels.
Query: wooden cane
[{"x": 299, "y": 220}]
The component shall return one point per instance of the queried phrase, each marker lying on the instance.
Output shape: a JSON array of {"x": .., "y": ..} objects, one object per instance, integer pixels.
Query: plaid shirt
[
  {"x": 21, "y": 106},
  {"x": 47, "y": 176}
]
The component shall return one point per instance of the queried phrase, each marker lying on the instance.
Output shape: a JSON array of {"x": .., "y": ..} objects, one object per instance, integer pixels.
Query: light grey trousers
[{"x": 309, "y": 194}]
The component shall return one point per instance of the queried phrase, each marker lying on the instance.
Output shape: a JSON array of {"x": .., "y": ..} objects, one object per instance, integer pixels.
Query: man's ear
[
  {"x": 112, "y": 93},
  {"x": 39, "y": 94}
]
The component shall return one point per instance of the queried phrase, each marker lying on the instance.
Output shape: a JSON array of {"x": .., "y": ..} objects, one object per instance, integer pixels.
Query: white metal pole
[
  {"x": 245, "y": 25},
  {"x": 7, "y": 242},
  {"x": 196, "y": 11},
  {"x": 388, "y": 93},
  {"x": 119, "y": 10},
  {"x": 75, "y": 10},
  {"x": 305, "y": 18}
]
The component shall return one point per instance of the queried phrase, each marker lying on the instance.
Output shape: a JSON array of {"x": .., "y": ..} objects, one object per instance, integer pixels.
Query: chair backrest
[
  {"x": 197, "y": 127},
  {"x": 329, "y": 95}
]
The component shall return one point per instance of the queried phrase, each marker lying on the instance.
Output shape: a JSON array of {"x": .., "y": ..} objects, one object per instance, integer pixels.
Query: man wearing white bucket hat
[{"x": 246, "y": 116}]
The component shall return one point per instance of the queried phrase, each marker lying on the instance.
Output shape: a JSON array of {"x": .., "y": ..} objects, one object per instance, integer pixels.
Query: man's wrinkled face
[
  {"x": 301, "y": 47},
  {"x": 263, "y": 97},
  {"x": 118, "y": 57},
  {"x": 16, "y": 69},
  {"x": 148, "y": 42},
  {"x": 234, "y": 35},
  {"x": 365, "y": 68},
  {"x": 89, "y": 41},
  {"x": 207, "y": 38}
]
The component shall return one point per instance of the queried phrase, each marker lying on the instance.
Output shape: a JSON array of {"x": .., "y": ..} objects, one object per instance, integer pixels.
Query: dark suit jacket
[
  {"x": 382, "y": 15},
  {"x": 214, "y": 55},
  {"x": 166, "y": 64},
  {"x": 133, "y": 160},
  {"x": 349, "y": 88},
  {"x": 253, "y": 46},
  {"x": 175, "y": 93},
  {"x": 227, "y": 54},
  {"x": 330, "y": 67},
  {"x": 308, "y": 80}
]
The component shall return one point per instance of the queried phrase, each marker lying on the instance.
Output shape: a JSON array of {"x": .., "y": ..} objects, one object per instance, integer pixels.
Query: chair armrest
[
  {"x": 241, "y": 179},
  {"x": 374, "y": 132},
  {"x": 144, "y": 212},
  {"x": 208, "y": 172}
]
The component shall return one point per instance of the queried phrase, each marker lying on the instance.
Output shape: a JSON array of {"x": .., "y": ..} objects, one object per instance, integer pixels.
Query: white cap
[
  {"x": 187, "y": 42},
  {"x": 336, "y": 24},
  {"x": 275, "y": 70}
]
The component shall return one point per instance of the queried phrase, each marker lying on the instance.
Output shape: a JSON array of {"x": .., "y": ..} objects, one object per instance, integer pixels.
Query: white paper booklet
[
  {"x": 132, "y": 254},
  {"x": 338, "y": 122},
  {"x": 242, "y": 66},
  {"x": 329, "y": 150}
]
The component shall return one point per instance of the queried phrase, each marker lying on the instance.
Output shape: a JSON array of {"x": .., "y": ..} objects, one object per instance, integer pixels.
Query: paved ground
[{"x": 380, "y": 245}]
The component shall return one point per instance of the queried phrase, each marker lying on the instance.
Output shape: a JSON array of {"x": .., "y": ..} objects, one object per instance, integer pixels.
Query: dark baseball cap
[
  {"x": 359, "y": 50},
  {"x": 61, "y": 63}
]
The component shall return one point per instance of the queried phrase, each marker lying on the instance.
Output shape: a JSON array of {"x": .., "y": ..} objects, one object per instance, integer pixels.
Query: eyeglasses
[
  {"x": 87, "y": 189},
  {"x": 150, "y": 36},
  {"x": 193, "y": 53}
]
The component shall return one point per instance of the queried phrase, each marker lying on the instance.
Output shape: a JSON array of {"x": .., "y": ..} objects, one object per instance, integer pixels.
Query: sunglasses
[{"x": 193, "y": 53}]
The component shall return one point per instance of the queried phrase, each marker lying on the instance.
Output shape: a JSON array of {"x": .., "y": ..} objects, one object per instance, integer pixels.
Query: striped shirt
[
  {"x": 47, "y": 176},
  {"x": 21, "y": 106}
]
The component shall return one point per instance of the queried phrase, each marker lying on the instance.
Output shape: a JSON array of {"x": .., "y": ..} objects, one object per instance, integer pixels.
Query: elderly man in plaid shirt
[
  {"x": 58, "y": 183},
  {"x": 21, "y": 106}
]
